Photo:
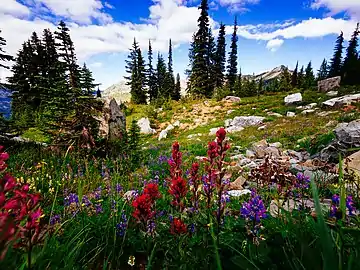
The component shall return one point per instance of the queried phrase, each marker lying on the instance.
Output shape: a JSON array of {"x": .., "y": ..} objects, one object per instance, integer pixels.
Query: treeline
[
  {"x": 50, "y": 90},
  {"x": 149, "y": 83}
]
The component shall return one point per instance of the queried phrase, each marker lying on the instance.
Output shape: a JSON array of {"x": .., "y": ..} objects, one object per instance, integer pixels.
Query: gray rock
[
  {"x": 240, "y": 122},
  {"x": 341, "y": 101},
  {"x": 332, "y": 93},
  {"x": 262, "y": 127},
  {"x": 276, "y": 144},
  {"x": 290, "y": 114},
  {"x": 310, "y": 106},
  {"x": 117, "y": 121},
  {"x": 163, "y": 134},
  {"x": 309, "y": 111},
  {"x": 230, "y": 111},
  {"x": 329, "y": 84},
  {"x": 239, "y": 193},
  {"x": 250, "y": 154},
  {"x": 244, "y": 162},
  {"x": 294, "y": 98},
  {"x": 213, "y": 131},
  {"x": 274, "y": 114},
  {"x": 144, "y": 125},
  {"x": 177, "y": 123},
  {"x": 232, "y": 99}
]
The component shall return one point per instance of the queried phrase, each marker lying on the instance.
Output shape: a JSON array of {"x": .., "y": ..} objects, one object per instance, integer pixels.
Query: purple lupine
[
  {"x": 55, "y": 219},
  {"x": 254, "y": 209},
  {"x": 97, "y": 193},
  {"x": 71, "y": 198},
  {"x": 98, "y": 208},
  {"x": 225, "y": 198},
  {"x": 122, "y": 225},
  {"x": 113, "y": 204},
  {"x": 86, "y": 201},
  {"x": 118, "y": 188},
  {"x": 303, "y": 181},
  {"x": 162, "y": 159},
  {"x": 151, "y": 227},
  {"x": 336, "y": 199},
  {"x": 192, "y": 228},
  {"x": 171, "y": 218},
  {"x": 350, "y": 205}
]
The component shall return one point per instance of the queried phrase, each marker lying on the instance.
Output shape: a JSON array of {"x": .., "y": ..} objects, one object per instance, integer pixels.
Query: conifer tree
[
  {"x": 301, "y": 79},
  {"x": 170, "y": 80},
  {"x": 335, "y": 68},
  {"x": 309, "y": 79},
  {"x": 220, "y": 57},
  {"x": 198, "y": 80},
  {"x": 87, "y": 81},
  {"x": 294, "y": 77},
  {"x": 285, "y": 80},
  {"x": 161, "y": 76},
  {"x": 151, "y": 82},
  {"x": 4, "y": 57},
  {"x": 260, "y": 87},
  {"x": 135, "y": 67},
  {"x": 177, "y": 92},
  {"x": 211, "y": 61},
  {"x": 238, "y": 85},
  {"x": 98, "y": 93},
  {"x": 350, "y": 67},
  {"x": 323, "y": 71},
  {"x": 232, "y": 61}
]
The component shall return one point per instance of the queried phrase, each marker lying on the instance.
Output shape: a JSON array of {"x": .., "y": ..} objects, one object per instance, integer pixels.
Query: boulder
[
  {"x": 239, "y": 122},
  {"x": 276, "y": 144},
  {"x": 177, "y": 123},
  {"x": 274, "y": 114},
  {"x": 262, "y": 127},
  {"x": 238, "y": 184},
  {"x": 332, "y": 93},
  {"x": 262, "y": 151},
  {"x": 233, "y": 129},
  {"x": 294, "y": 98},
  {"x": 144, "y": 125},
  {"x": 239, "y": 193},
  {"x": 341, "y": 101},
  {"x": 329, "y": 84},
  {"x": 232, "y": 99},
  {"x": 290, "y": 114},
  {"x": 250, "y": 154},
  {"x": 163, "y": 134},
  {"x": 308, "y": 111},
  {"x": 117, "y": 121},
  {"x": 230, "y": 111},
  {"x": 354, "y": 162},
  {"x": 310, "y": 106},
  {"x": 213, "y": 131}
]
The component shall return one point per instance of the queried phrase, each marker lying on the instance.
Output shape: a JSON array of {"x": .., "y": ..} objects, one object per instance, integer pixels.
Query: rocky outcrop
[
  {"x": 232, "y": 99},
  {"x": 329, "y": 84},
  {"x": 233, "y": 125},
  {"x": 117, "y": 121},
  {"x": 341, "y": 101},
  {"x": 290, "y": 114},
  {"x": 294, "y": 98},
  {"x": 163, "y": 134},
  {"x": 144, "y": 125}
]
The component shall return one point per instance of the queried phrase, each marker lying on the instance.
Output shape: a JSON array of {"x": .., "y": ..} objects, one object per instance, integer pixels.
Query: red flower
[
  {"x": 10, "y": 182},
  {"x": 175, "y": 161},
  {"x": 178, "y": 227},
  {"x": 152, "y": 190},
  {"x": 178, "y": 189},
  {"x": 221, "y": 134},
  {"x": 143, "y": 208},
  {"x": 212, "y": 150}
]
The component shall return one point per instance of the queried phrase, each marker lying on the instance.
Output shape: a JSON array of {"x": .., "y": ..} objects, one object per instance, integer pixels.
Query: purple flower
[
  {"x": 192, "y": 228},
  {"x": 71, "y": 198},
  {"x": 98, "y": 208},
  {"x": 225, "y": 198},
  {"x": 118, "y": 188},
  {"x": 335, "y": 199},
  {"x": 162, "y": 159},
  {"x": 122, "y": 225},
  {"x": 350, "y": 205},
  {"x": 303, "y": 181},
  {"x": 254, "y": 209},
  {"x": 113, "y": 204},
  {"x": 86, "y": 201},
  {"x": 171, "y": 218},
  {"x": 98, "y": 193},
  {"x": 55, "y": 219},
  {"x": 151, "y": 227}
]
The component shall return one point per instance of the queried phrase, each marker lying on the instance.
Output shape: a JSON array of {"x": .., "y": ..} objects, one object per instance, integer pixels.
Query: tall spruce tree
[
  {"x": 161, "y": 76},
  {"x": 151, "y": 80},
  {"x": 170, "y": 79},
  {"x": 211, "y": 62},
  {"x": 98, "y": 93},
  {"x": 285, "y": 80},
  {"x": 294, "y": 77},
  {"x": 198, "y": 81},
  {"x": 66, "y": 50},
  {"x": 135, "y": 67},
  {"x": 323, "y": 71},
  {"x": 238, "y": 85},
  {"x": 309, "y": 79},
  {"x": 350, "y": 67},
  {"x": 177, "y": 92},
  {"x": 4, "y": 57},
  {"x": 301, "y": 79},
  {"x": 335, "y": 68},
  {"x": 220, "y": 57},
  {"x": 232, "y": 61},
  {"x": 87, "y": 82}
]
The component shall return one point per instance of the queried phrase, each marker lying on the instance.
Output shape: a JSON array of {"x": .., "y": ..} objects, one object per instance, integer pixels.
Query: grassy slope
[{"x": 283, "y": 129}]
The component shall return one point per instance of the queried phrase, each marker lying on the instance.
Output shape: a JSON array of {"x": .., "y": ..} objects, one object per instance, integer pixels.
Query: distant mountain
[
  {"x": 268, "y": 75},
  {"x": 121, "y": 92},
  {"x": 5, "y": 102}
]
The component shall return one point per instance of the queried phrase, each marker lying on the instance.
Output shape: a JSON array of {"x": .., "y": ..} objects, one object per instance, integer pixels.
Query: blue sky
[{"x": 271, "y": 32}]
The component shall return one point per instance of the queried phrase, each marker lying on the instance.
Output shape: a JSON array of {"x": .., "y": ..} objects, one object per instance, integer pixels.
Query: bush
[{"x": 221, "y": 92}]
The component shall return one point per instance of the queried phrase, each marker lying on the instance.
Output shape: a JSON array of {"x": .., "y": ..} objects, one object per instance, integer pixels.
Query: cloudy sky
[{"x": 271, "y": 32}]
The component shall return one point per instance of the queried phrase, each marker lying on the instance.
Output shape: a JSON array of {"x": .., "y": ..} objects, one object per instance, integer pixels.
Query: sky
[{"x": 271, "y": 32}]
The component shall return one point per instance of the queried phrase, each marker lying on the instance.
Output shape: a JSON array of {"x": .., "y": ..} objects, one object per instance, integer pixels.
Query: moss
[{"x": 35, "y": 135}]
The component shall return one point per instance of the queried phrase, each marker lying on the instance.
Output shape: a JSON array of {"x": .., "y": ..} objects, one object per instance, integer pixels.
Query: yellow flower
[{"x": 131, "y": 260}]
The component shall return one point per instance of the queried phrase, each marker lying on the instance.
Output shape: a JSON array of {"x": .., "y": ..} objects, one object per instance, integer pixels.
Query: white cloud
[
  {"x": 237, "y": 5},
  {"x": 274, "y": 44},
  {"x": 13, "y": 8},
  {"x": 352, "y": 7},
  {"x": 96, "y": 65}
]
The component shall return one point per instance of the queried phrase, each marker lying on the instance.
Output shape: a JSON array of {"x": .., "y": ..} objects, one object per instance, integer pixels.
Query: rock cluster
[
  {"x": 329, "y": 84},
  {"x": 144, "y": 125}
]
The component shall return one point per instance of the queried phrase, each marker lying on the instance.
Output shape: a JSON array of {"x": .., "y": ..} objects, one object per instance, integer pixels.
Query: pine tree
[
  {"x": 301, "y": 79},
  {"x": 323, "y": 71},
  {"x": 135, "y": 67},
  {"x": 198, "y": 81},
  {"x": 238, "y": 85},
  {"x": 260, "y": 87},
  {"x": 309, "y": 79},
  {"x": 294, "y": 77},
  {"x": 3, "y": 56},
  {"x": 87, "y": 81},
  {"x": 285, "y": 80},
  {"x": 232, "y": 61},
  {"x": 211, "y": 62},
  {"x": 66, "y": 51},
  {"x": 350, "y": 67},
  {"x": 161, "y": 75},
  {"x": 335, "y": 68},
  {"x": 220, "y": 57},
  {"x": 151, "y": 81},
  {"x": 177, "y": 92},
  {"x": 98, "y": 93},
  {"x": 170, "y": 80}
]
